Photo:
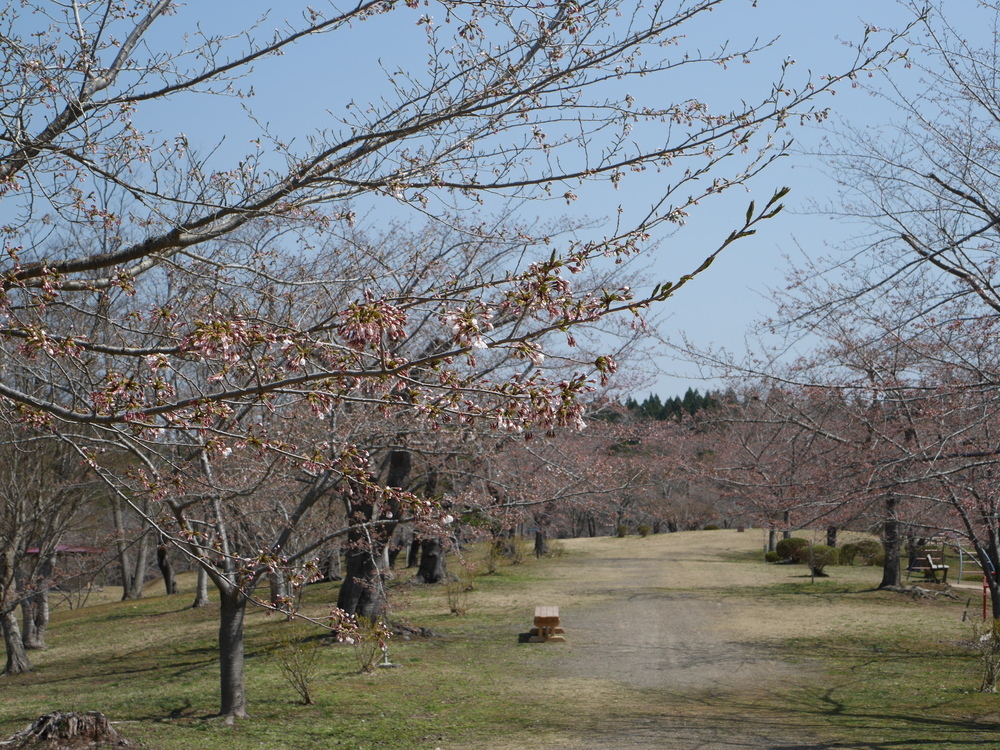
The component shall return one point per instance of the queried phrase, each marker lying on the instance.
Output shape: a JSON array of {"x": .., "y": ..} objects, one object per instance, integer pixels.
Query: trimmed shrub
[
  {"x": 644, "y": 530},
  {"x": 822, "y": 557},
  {"x": 848, "y": 553},
  {"x": 771, "y": 556},
  {"x": 870, "y": 551},
  {"x": 622, "y": 531},
  {"x": 711, "y": 527},
  {"x": 786, "y": 547}
]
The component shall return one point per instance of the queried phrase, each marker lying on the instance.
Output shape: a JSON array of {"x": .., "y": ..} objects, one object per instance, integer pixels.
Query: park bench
[
  {"x": 929, "y": 568},
  {"x": 546, "y": 628}
]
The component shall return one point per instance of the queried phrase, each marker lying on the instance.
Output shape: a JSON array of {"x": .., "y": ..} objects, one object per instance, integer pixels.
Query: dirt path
[{"x": 660, "y": 655}]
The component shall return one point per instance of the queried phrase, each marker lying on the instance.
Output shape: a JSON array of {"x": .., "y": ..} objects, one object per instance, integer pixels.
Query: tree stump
[{"x": 64, "y": 730}]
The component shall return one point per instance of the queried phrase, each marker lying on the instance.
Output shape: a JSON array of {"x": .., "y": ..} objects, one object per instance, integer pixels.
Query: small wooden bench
[
  {"x": 546, "y": 628},
  {"x": 930, "y": 569}
]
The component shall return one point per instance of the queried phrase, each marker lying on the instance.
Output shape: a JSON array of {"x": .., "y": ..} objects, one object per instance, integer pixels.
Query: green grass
[
  {"x": 903, "y": 682},
  {"x": 152, "y": 665}
]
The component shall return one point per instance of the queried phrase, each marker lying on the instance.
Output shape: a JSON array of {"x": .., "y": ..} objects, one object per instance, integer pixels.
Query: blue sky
[{"x": 294, "y": 92}]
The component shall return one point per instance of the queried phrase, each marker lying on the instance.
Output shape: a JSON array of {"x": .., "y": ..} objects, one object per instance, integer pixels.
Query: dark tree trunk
[
  {"x": 17, "y": 658},
  {"x": 591, "y": 526},
  {"x": 232, "y": 611},
  {"x": 331, "y": 565},
  {"x": 541, "y": 544},
  {"x": 166, "y": 568},
  {"x": 393, "y": 554},
  {"x": 772, "y": 538},
  {"x": 891, "y": 569},
  {"x": 413, "y": 552},
  {"x": 201, "y": 590},
  {"x": 831, "y": 536},
  {"x": 363, "y": 590},
  {"x": 989, "y": 558},
  {"x": 35, "y": 612},
  {"x": 787, "y": 533},
  {"x": 432, "y": 567},
  {"x": 399, "y": 542}
]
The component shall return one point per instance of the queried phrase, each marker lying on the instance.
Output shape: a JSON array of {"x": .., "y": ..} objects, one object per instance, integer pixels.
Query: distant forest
[{"x": 676, "y": 407}]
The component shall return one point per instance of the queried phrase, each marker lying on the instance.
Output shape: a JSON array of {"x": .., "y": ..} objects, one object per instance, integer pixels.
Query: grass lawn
[{"x": 869, "y": 669}]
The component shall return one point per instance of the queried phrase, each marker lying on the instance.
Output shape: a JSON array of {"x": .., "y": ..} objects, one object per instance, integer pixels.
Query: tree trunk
[
  {"x": 541, "y": 544},
  {"x": 201, "y": 590},
  {"x": 432, "y": 565},
  {"x": 17, "y": 658},
  {"x": 28, "y": 636},
  {"x": 138, "y": 578},
  {"x": 35, "y": 616},
  {"x": 891, "y": 571},
  {"x": 413, "y": 552},
  {"x": 232, "y": 610},
  {"x": 279, "y": 589},
  {"x": 831, "y": 536},
  {"x": 989, "y": 558},
  {"x": 399, "y": 542},
  {"x": 363, "y": 590},
  {"x": 362, "y": 593},
  {"x": 772, "y": 538},
  {"x": 331, "y": 565},
  {"x": 787, "y": 533},
  {"x": 124, "y": 564},
  {"x": 166, "y": 568}
]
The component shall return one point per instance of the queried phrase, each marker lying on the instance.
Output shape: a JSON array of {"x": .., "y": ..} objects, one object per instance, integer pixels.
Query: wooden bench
[
  {"x": 930, "y": 568},
  {"x": 546, "y": 628}
]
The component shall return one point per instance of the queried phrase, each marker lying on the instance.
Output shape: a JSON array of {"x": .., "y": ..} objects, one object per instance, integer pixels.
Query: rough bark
[
  {"x": 891, "y": 569},
  {"x": 831, "y": 536},
  {"x": 787, "y": 533},
  {"x": 399, "y": 542},
  {"x": 413, "y": 552},
  {"x": 332, "y": 570},
  {"x": 989, "y": 558},
  {"x": 363, "y": 590},
  {"x": 166, "y": 568},
  {"x": 279, "y": 588},
  {"x": 201, "y": 590},
  {"x": 17, "y": 658},
  {"x": 35, "y": 616},
  {"x": 432, "y": 565},
  {"x": 232, "y": 611},
  {"x": 772, "y": 539},
  {"x": 28, "y": 635},
  {"x": 541, "y": 543}
]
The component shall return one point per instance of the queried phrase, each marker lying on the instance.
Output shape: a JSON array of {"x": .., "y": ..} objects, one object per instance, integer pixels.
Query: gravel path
[{"x": 661, "y": 665}]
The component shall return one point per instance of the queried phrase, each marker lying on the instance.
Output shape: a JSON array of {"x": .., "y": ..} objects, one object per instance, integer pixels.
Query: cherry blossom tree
[
  {"x": 165, "y": 305},
  {"x": 42, "y": 488}
]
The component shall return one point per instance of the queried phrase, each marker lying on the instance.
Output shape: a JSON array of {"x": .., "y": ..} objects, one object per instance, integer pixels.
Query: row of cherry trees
[
  {"x": 890, "y": 420},
  {"x": 247, "y": 347}
]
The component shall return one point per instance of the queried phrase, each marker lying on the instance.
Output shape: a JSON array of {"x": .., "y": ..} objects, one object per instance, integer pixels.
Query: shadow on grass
[{"x": 815, "y": 721}]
